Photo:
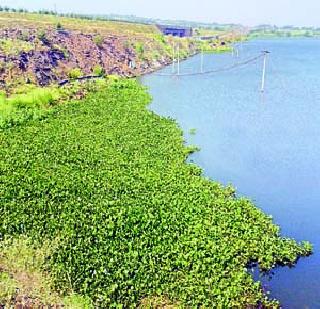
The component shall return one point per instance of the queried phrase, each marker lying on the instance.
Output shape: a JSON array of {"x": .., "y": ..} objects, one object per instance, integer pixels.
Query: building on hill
[{"x": 176, "y": 31}]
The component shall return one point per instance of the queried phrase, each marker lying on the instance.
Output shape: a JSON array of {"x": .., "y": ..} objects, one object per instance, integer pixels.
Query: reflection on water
[{"x": 267, "y": 146}]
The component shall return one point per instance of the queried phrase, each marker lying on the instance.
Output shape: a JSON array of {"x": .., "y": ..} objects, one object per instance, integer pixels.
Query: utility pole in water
[
  {"x": 179, "y": 58},
  {"x": 201, "y": 64},
  {"x": 173, "y": 59},
  {"x": 265, "y": 55}
]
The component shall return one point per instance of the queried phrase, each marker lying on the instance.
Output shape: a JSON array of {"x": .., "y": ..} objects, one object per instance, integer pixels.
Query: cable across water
[{"x": 222, "y": 69}]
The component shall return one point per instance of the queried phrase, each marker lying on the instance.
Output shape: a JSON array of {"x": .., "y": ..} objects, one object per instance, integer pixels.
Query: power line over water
[{"x": 222, "y": 69}]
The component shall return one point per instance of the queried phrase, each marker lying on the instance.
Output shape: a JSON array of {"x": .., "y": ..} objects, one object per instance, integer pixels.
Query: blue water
[{"x": 267, "y": 146}]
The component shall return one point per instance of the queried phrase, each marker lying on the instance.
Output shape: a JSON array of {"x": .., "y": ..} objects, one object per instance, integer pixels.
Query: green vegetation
[
  {"x": 7, "y": 288},
  {"x": 210, "y": 31},
  {"x": 223, "y": 49},
  {"x": 23, "y": 106},
  {"x": 30, "y": 102},
  {"x": 41, "y": 32},
  {"x": 14, "y": 47},
  {"x": 105, "y": 183},
  {"x": 98, "y": 39},
  {"x": 287, "y": 32},
  {"x": 133, "y": 31},
  {"x": 139, "y": 49},
  {"x": 45, "y": 21},
  {"x": 59, "y": 26},
  {"x": 75, "y": 73},
  {"x": 21, "y": 274},
  {"x": 41, "y": 35},
  {"x": 98, "y": 70},
  {"x": 213, "y": 46},
  {"x": 160, "y": 46},
  {"x": 200, "y": 27}
]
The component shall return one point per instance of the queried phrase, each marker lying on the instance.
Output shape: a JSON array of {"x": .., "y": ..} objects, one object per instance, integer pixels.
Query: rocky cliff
[{"x": 46, "y": 56}]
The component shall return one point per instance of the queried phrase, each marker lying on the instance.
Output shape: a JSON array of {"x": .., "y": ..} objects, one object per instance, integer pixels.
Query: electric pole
[
  {"x": 201, "y": 64},
  {"x": 173, "y": 59},
  {"x": 179, "y": 58},
  {"x": 265, "y": 55}
]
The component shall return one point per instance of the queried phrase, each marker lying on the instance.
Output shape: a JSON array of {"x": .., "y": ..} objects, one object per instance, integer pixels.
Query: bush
[
  {"x": 75, "y": 73},
  {"x": 140, "y": 49},
  {"x": 98, "y": 70},
  {"x": 59, "y": 26},
  {"x": 30, "y": 102},
  {"x": 41, "y": 35},
  {"x": 98, "y": 40},
  {"x": 36, "y": 98},
  {"x": 3, "y": 96},
  {"x": 27, "y": 102}
]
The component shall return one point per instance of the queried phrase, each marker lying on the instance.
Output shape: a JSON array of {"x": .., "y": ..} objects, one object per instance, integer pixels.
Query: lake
[{"x": 267, "y": 146}]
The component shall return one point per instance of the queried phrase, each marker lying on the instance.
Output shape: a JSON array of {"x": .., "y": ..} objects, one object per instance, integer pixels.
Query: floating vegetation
[{"x": 136, "y": 223}]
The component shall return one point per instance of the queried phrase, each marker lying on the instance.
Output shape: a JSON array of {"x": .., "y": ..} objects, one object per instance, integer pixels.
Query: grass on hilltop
[{"x": 87, "y": 26}]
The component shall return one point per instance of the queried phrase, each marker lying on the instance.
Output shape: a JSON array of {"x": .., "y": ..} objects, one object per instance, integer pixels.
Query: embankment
[{"x": 41, "y": 49}]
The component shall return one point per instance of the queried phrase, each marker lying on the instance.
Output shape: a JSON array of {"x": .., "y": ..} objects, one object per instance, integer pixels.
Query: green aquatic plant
[{"x": 138, "y": 224}]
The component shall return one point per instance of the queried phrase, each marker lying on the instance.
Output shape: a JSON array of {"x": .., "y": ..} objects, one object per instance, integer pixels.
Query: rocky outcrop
[
  {"x": 41, "y": 64},
  {"x": 57, "y": 52}
]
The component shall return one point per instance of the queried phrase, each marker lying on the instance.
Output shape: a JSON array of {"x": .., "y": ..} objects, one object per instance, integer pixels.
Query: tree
[
  {"x": 59, "y": 26},
  {"x": 308, "y": 34}
]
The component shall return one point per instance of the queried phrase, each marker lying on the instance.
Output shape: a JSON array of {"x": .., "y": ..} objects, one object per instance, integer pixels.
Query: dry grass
[
  {"x": 23, "y": 280},
  {"x": 83, "y": 25},
  {"x": 158, "y": 303}
]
